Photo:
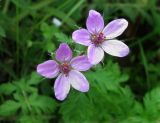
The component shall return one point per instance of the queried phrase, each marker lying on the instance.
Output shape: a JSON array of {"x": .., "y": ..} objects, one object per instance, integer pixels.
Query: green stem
[
  {"x": 73, "y": 10},
  {"x": 144, "y": 60},
  {"x": 17, "y": 40},
  {"x": 26, "y": 101},
  {"x": 64, "y": 4},
  {"x": 28, "y": 104},
  {"x": 6, "y": 5}
]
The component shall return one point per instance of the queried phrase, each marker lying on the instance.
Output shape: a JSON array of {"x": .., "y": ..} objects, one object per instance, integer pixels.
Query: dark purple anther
[
  {"x": 97, "y": 39},
  {"x": 65, "y": 68}
]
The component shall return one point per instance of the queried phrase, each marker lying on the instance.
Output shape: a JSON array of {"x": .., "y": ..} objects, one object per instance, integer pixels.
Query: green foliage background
[{"x": 122, "y": 90}]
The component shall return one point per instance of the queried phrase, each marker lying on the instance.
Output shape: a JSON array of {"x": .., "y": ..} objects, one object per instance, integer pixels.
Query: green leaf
[
  {"x": 9, "y": 108},
  {"x": 34, "y": 79},
  {"x": 50, "y": 46},
  {"x": 152, "y": 104},
  {"x": 47, "y": 30},
  {"x": 107, "y": 78},
  {"x": 7, "y": 88},
  {"x": 79, "y": 49},
  {"x": 135, "y": 119},
  {"x": 20, "y": 84},
  {"x": 61, "y": 37},
  {"x": 77, "y": 108},
  {"x": 106, "y": 101},
  {"x": 21, "y": 3},
  {"x": 31, "y": 119},
  {"x": 42, "y": 103},
  {"x": 23, "y": 101}
]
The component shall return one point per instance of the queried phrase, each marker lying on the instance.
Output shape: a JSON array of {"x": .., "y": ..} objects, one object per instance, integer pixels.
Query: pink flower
[
  {"x": 67, "y": 70},
  {"x": 99, "y": 38}
]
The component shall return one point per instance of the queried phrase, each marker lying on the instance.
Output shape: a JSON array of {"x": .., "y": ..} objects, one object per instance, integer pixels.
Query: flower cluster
[{"x": 98, "y": 39}]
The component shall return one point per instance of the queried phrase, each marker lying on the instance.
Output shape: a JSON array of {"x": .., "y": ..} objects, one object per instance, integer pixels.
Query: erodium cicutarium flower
[
  {"x": 99, "y": 38},
  {"x": 67, "y": 70}
]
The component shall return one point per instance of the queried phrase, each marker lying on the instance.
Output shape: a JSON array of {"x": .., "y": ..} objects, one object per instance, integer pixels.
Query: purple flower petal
[
  {"x": 115, "y": 48},
  {"x": 95, "y": 22},
  {"x": 61, "y": 87},
  {"x": 78, "y": 81},
  {"x": 81, "y": 36},
  {"x": 95, "y": 54},
  {"x": 48, "y": 69},
  {"x": 63, "y": 53},
  {"x": 81, "y": 63},
  {"x": 115, "y": 28}
]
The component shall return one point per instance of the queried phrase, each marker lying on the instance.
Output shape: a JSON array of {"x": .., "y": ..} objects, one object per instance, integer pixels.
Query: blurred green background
[{"x": 122, "y": 90}]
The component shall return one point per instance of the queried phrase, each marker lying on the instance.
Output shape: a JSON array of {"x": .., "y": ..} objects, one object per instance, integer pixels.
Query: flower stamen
[
  {"x": 65, "y": 68},
  {"x": 97, "y": 38}
]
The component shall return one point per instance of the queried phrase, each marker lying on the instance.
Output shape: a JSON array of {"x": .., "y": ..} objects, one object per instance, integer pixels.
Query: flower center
[
  {"x": 65, "y": 68},
  {"x": 97, "y": 38}
]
